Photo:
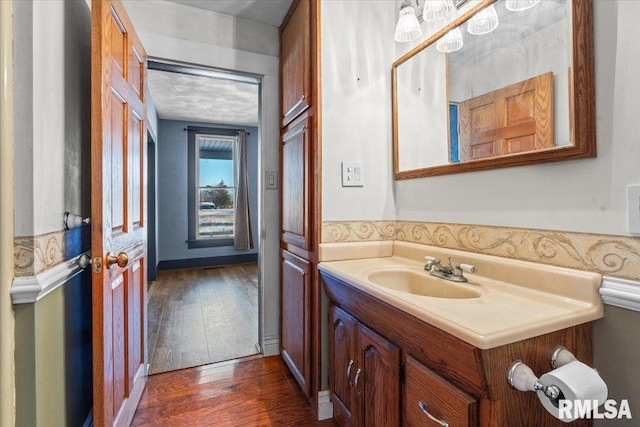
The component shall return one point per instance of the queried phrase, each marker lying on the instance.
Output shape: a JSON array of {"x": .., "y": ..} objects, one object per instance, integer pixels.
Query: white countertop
[{"x": 538, "y": 299}]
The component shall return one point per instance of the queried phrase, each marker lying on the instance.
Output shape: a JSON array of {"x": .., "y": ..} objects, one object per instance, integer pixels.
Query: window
[
  {"x": 211, "y": 187},
  {"x": 215, "y": 186}
]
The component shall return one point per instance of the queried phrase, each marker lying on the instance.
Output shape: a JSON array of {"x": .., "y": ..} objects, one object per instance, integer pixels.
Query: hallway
[
  {"x": 203, "y": 315},
  {"x": 258, "y": 391}
]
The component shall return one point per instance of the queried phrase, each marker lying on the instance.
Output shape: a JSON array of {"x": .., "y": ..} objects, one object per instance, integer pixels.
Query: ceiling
[
  {"x": 212, "y": 100},
  {"x": 267, "y": 11},
  {"x": 203, "y": 99}
]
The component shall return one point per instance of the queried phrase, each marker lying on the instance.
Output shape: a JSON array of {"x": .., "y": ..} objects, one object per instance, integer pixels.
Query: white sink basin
[
  {"x": 419, "y": 282},
  {"x": 504, "y": 301}
]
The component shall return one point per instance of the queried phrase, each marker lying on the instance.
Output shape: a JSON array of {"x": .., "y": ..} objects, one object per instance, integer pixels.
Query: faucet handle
[
  {"x": 466, "y": 267},
  {"x": 430, "y": 258}
]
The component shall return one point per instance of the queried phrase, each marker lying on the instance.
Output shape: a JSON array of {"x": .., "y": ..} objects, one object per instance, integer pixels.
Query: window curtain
[{"x": 243, "y": 238}]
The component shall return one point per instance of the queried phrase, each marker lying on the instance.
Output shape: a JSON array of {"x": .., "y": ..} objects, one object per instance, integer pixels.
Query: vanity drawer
[{"x": 424, "y": 390}]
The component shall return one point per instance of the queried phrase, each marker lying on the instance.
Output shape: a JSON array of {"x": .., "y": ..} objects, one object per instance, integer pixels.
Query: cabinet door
[
  {"x": 296, "y": 63},
  {"x": 342, "y": 364},
  {"x": 295, "y": 318},
  {"x": 378, "y": 385},
  {"x": 295, "y": 185},
  {"x": 430, "y": 400}
]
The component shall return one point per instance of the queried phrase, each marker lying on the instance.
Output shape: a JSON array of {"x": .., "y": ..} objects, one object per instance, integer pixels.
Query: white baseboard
[
  {"x": 621, "y": 293},
  {"x": 271, "y": 345},
  {"x": 325, "y": 406}
]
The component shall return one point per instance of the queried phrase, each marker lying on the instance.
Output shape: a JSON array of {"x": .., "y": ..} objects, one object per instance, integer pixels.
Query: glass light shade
[
  {"x": 484, "y": 21},
  {"x": 451, "y": 42},
  {"x": 520, "y": 5},
  {"x": 408, "y": 27},
  {"x": 434, "y": 10}
]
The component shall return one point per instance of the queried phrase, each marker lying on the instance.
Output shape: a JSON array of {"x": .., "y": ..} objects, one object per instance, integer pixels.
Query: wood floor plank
[
  {"x": 210, "y": 311},
  {"x": 257, "y": 392}
]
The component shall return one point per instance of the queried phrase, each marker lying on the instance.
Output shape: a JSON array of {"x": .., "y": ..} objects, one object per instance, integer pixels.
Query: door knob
[{"x": 122, "y": 259}]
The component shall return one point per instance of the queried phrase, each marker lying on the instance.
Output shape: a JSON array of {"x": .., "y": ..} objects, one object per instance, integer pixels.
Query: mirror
[{"x": 519, "y": 94}]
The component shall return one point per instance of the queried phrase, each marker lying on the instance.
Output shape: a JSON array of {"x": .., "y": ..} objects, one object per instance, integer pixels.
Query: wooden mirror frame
[{"x": 582, "y": 109}]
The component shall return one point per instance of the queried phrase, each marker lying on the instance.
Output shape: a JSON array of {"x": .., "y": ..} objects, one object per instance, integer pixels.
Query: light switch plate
[
  {"x": 270, "y": 180},
  {"x": 352, "y": 174},
  {"x": 633, "y": 208}
]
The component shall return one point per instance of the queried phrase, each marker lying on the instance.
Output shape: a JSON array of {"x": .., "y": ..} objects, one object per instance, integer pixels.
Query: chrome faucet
[{"x": 448, "y": 272}]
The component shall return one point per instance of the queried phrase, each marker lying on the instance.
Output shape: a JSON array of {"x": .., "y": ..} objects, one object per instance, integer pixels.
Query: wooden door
[
  {"x": 515, "y": 119},
  {"x": 295, "y": 60},
  {"x": 118, "y": 156},
  {"x": 342, "y": 364},
  {"x": 296, "y": 161},
  {"x": 378, "y": 386},
  {"x": 295, "y": 322}
]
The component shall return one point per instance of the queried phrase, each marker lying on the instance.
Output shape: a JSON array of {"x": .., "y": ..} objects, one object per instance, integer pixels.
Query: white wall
[
  {"x": 54, "y": 87},
  {"x": 180, "y": 39},
  {"x": 356, "y": 107}
]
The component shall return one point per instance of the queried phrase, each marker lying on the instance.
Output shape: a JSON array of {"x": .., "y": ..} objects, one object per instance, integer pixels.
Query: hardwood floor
[
  {"x": 256, "y": 392},
  {"x": 202, "y": 315}
]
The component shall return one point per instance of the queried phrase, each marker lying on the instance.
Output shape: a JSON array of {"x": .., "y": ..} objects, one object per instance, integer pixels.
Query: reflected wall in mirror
[{"x": 521, "y": 93}]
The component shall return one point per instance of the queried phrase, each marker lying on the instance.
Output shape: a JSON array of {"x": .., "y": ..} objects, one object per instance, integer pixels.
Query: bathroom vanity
[{"x": 401, "y": 357}]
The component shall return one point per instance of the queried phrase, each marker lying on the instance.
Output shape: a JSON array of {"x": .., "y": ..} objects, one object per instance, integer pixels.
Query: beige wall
[{"x": 7, "y": 365}]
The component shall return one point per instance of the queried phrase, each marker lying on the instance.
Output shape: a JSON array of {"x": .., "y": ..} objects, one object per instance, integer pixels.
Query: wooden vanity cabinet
[
  {"x": 405, "y": 361},
  {"x": 365, "y": 374}
]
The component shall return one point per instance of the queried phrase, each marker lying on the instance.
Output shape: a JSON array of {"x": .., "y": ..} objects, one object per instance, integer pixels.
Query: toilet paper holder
[{"x": 522, "y": 378}]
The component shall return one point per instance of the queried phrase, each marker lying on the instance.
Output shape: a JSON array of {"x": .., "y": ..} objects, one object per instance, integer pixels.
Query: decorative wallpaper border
[
  {"x": 35, "y": 254},
  {"x": 610, "y": 255},
  {"x": 357, "y": 231}
]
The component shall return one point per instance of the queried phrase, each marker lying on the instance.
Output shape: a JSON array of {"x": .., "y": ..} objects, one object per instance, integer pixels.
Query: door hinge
[{"x": 96, "y": 265}]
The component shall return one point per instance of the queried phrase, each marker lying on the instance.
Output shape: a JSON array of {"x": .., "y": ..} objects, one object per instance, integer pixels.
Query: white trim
[
  {"x": 325, "y": 406},
  {"x": 621, "y": 293},
  {"x": 29, "y": 289},
  {"x": 89, "y": 421},
  {"x": 271, "y": 345}
]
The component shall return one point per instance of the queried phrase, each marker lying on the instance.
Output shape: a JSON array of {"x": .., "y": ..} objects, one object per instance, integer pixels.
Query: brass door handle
[{"x": 122, "y": 259}]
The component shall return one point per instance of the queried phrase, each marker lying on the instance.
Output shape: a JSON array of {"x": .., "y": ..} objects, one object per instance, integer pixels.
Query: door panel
[
  {"x": 295, "y": 318},
  {"x": 295, "y": 185},
  {"x": 343, "y": 364},
  {"x": 379, "y": 388},
  {"x": 118, "y": 156}
]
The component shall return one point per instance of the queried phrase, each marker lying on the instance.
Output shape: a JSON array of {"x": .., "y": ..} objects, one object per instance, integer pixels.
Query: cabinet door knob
[
  {"x": 423, "y": 408},
  {"x": 349, "y": 373},
  {"x": 355, "y": 382}
]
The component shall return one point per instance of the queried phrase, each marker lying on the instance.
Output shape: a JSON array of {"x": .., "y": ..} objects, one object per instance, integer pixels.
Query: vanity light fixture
[
  {"x": 451, "y": 42},
  {"x": 520, "y": 5},
  {"x": 408, "y": 27},
  {"x": 484, "y": 21},
  {"x": 435, "y": 10}
]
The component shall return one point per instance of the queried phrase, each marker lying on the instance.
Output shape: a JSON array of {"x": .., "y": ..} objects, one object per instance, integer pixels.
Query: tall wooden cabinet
[{"x": 300, "y": 291}]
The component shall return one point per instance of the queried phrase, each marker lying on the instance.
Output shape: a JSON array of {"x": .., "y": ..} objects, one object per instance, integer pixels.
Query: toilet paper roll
[{"x": 577, "y": 382}]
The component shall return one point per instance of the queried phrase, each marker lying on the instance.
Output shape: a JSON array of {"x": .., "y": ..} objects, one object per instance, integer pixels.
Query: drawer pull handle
[
  {"x": 356, "y": 382},
  {"x": 423, "y": 408},
  {"x": 349, "y": 373}
]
